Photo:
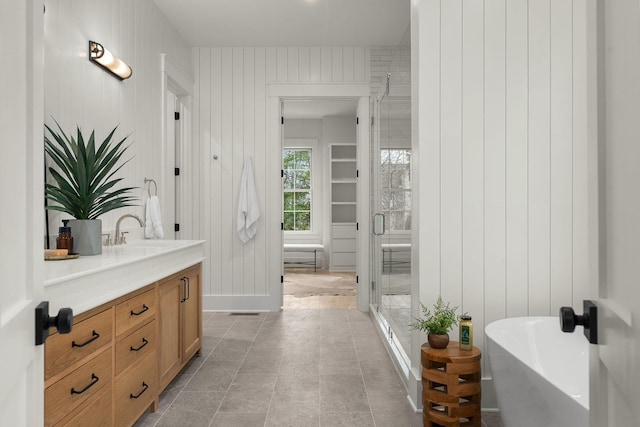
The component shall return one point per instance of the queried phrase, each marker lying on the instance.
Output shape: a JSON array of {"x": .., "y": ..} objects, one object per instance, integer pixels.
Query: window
[
  {"x": 297, "y": 189},
  {"x": 395, "y": 165}
]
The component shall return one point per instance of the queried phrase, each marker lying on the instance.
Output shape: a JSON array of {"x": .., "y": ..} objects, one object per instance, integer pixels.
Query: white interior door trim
[
  {"x": 276, "y": 93},
  {"x": 176, "y": 81}
]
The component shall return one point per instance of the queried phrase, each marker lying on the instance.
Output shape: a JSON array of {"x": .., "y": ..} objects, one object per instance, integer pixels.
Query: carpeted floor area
[{"x": 302, "y": 283}]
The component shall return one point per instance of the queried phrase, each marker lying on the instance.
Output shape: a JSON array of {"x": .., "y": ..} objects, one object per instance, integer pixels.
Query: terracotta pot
[{"x": 438, "y": 341}]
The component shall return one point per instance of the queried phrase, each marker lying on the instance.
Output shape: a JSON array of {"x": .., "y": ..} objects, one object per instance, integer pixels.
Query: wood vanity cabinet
[
  {"x": 112, "y": 366},
  {"x": 180, "y": 321}
]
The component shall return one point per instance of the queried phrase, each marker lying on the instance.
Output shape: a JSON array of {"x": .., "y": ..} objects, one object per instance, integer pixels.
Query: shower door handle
[{"x": 378, "y": 224}]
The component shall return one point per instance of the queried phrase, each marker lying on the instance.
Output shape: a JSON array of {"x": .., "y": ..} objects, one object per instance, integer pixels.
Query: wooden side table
[{"x": 451, "y": 386}]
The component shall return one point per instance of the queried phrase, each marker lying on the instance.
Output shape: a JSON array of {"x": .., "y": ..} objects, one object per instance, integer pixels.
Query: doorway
[
  {"x": 178, "y": 189},
  {"x": 319, "y": 193}
]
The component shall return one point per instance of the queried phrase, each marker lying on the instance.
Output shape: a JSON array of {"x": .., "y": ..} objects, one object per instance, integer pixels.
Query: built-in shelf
[{"x": 343, "y": 207}]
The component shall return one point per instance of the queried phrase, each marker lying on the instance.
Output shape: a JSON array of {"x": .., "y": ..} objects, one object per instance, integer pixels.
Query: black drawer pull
[
  {"x": 144, "y": 308},
  {"x": 144, "y": 388},
  {"x": 184, "y": 289},
  {"x": 144, "y": 342},
  {"x": 94, "y": 380},
  {"x": 94, "y": 336}
]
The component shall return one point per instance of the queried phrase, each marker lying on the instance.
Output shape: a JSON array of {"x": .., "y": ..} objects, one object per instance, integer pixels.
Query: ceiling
[{"x": 288, "y": 23}]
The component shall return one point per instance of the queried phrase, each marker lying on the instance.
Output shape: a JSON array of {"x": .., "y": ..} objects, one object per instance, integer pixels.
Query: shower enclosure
[{"x": 391, "y": 209}]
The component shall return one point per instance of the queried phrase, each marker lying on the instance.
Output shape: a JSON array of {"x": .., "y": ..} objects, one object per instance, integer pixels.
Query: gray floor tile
[
  {"x": 397, "y": 418},
  {"x": 148, "y": 419},
  {"x": 172, "y": 390},
  {"x": 492, "y": 419},
  {"x": 295, "y": 383},
  {"x": 259, "y": 380},
  {"x": 297, "y": 368},
  {"x": 346, "y": 419},
  {"x": 340, "y": 365},
  {"x": 211, "y": 380},
  {"x": 223, "y": 419},
  {"x": 191, "y": 409},
  {"x": 342, "y": 393},
  {"x": 385, "y": 401},
  {"x": 299, "y": 364},
  {"x": 261, "y": 364},
  {"x": 193, "y": 365},
  {"x": 380, "y": 376},
  {"x": 247, "y": 398},
  {"x": 308, "y": 401},
  {"x": 294, "y": 408},
  {"x": 231, "y": 349},
  {"x": 292, "y": 417},
  {"x": 214, "y": 375}
]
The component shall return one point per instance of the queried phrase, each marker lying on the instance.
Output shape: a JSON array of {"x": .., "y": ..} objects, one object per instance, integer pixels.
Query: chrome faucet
[{"x": 119, "y": 238}]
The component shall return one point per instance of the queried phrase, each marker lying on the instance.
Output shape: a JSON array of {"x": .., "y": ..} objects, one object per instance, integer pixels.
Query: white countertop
[{"x": 89, "y": 281}]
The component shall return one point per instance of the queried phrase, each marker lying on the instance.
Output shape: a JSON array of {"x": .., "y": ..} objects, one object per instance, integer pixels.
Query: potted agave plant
[
  {"x": 437, "y": 324},
  {"x": 84, "y": 182}
]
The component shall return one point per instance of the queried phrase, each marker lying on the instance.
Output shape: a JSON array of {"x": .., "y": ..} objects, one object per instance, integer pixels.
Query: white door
[
  {"x": 615, "y": 361},
  {"x": 21, "y": 189},
  {"x": 172, "y": 161}
]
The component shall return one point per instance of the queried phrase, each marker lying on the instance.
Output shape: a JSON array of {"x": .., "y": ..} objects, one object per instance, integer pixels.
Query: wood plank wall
[
  {"x": 503, "y": 185},
  {"x": 78, "y": 92},
  {"x": 232, "y": 120}
]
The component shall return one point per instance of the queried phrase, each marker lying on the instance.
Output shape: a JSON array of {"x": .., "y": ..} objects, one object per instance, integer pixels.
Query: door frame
[
  {"x": 22, "y": 362},
  {"x": 174, "y": 80},
  {"x": 277, "y": 92}
]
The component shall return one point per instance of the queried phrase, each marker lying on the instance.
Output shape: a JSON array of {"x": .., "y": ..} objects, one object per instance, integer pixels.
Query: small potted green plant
[
  {"x": 84, "y": 183},
  {"x": 437, "y": 324}
]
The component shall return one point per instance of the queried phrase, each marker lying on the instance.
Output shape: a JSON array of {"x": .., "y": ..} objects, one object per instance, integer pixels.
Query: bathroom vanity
[{"x": 137, "y": 322}]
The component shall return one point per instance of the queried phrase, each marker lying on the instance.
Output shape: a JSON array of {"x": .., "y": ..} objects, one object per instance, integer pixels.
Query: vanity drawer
[
  {"x": 135, "y": 311},
  {"x": 63, "y": 350},
  {"x": 71, "y": 391},
  {"x": 136, "y": 390},
  {"x": 136, "y": 346},
  {"x": 98, "y": 413}
]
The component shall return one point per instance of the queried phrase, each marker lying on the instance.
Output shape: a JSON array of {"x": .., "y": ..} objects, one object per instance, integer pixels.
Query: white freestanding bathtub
[{"x": 541, "y": 374}]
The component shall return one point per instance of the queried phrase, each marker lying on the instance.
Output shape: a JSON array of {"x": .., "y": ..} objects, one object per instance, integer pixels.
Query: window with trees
[
  {"x": 297, "y": 189},
  {"x": 395, "y": 165}
]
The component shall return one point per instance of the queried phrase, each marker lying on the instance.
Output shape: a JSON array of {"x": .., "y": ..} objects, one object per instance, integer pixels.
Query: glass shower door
[{"x": 391, "y": 208}]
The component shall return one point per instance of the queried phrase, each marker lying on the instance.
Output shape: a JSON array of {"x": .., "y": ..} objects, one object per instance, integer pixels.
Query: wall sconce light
[{"x": 101, "y": 56}]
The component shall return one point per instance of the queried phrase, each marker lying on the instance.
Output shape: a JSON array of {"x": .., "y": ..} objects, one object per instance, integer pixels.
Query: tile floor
[{"x": 294, "y": 368}]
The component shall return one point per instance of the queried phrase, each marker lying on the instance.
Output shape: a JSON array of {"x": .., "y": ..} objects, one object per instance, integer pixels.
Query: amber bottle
[{"x": 65, "y": 239}]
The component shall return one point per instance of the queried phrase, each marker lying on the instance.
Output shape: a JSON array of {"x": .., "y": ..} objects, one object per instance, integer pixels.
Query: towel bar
[{"x": 150, "y": 181}]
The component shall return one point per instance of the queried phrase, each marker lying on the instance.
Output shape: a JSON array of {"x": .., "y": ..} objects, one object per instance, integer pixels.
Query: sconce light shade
[{"x": 101, "y": 56}]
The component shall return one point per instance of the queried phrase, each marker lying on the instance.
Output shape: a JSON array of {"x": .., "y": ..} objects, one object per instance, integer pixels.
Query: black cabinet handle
[
  {"x": 144, "y": 342},
  {"x": 184, "y": 289},
  {"x": 94, "y": 380},
  {"x": 94, "y": 336},
  {"x": 188, "y": 286},
  {"x": 144, "y": 388},
  {"x": 144, "y": 308}
]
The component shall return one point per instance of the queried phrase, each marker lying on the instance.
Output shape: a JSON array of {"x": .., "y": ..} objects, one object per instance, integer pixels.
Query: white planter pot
[{"x": 87, "y": 236}]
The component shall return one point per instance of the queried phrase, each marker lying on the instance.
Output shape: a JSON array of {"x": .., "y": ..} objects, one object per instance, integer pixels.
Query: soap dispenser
[{"x": 65, "y": 239}]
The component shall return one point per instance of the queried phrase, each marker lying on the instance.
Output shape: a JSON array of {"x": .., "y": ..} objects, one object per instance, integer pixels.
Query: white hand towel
[
  {"x": 156, "y": 218},
  {"x": 148, "y": 225},
  {"x": 248, "y": 209}
]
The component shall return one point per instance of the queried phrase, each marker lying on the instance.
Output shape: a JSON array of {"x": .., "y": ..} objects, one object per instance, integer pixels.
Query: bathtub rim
[{"x": 583, "y": 400}]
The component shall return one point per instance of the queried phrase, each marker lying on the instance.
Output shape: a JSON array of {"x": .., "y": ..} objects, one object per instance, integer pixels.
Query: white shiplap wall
[
  {"x": 502, "y": 179},
  {"x": 78, "y": 92},
  {"x": 233, "y": 114}
]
